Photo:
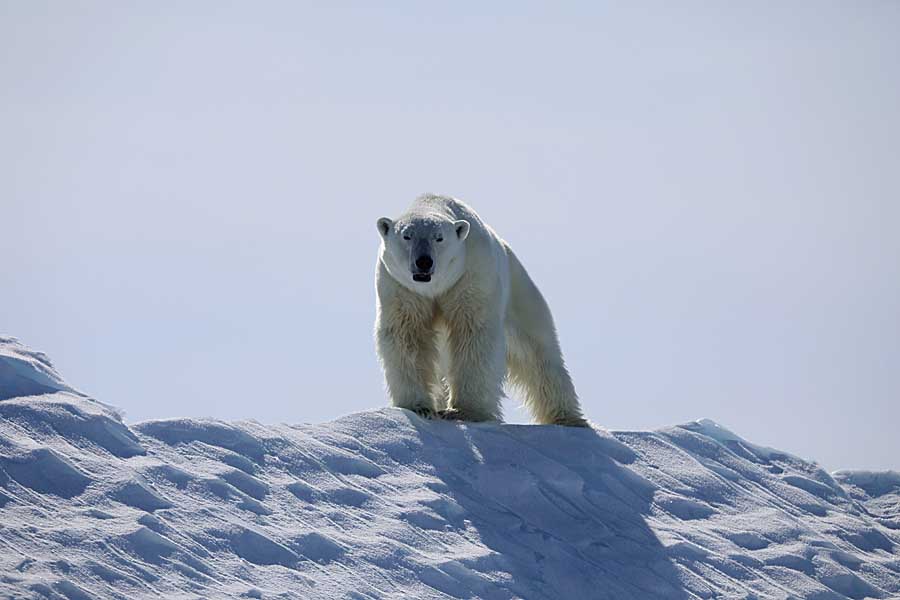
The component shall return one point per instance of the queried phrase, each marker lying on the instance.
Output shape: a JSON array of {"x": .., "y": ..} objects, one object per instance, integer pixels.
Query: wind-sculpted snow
[
  {"x": 383, "y": 504},
  {"x": 24, "y": 372}
]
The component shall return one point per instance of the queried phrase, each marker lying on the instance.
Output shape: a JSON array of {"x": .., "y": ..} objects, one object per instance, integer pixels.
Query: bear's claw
[
  {"x": 426, "y": 412},
  {"x": 571, "y": 422},
  {"x": 456, "y": 414},
  {"x": 451, "y": 414}
]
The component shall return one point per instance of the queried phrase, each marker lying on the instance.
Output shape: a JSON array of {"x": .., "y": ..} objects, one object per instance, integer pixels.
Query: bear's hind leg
[{"x": 545, "y": 382}]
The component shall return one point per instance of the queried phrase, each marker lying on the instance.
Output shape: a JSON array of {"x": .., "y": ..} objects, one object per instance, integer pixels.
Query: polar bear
[{"x": 457, "y": 315}]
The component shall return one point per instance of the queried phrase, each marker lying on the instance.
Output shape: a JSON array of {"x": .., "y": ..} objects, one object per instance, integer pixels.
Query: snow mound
[
  {"x": 874, "y": 483},
  {"x": 383, "y": 504},
  {"x": 24, "y": 372},
  {"x": 877, "y": 491}
]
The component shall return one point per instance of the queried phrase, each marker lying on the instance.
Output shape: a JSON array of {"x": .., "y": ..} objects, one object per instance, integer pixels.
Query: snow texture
[
  {"x": 384, "y": 504},
  {"x": 24, "y": 372}
]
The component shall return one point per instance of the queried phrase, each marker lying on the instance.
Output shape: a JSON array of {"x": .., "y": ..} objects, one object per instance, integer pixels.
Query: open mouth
[{"x": 423, "y": 277}]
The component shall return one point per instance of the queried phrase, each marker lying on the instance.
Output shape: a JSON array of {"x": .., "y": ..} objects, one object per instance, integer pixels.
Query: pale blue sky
[{"x": 707, "y": 194}]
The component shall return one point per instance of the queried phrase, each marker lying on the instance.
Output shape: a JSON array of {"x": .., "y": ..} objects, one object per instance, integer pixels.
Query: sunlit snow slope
[{"x": 384, "y": 504}]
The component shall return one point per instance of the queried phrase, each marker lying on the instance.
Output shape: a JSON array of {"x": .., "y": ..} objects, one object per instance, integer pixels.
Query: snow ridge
[
  {"x": 24, "y": 372},
  {"x": 383, "y": 504}
]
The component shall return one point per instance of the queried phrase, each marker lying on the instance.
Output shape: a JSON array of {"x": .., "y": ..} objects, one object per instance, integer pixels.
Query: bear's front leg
[
  {"x": 405, "y": 342},
  {"x": 477, "y": 366}
]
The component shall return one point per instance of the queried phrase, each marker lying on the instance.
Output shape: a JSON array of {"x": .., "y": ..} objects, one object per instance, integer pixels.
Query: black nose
[{"x": 424, "y": 262}]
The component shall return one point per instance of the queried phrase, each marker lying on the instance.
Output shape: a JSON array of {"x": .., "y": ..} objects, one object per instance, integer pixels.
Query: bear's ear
[
  {"x": 462, "y": 229},
  {"x": 384, "y": 226}
]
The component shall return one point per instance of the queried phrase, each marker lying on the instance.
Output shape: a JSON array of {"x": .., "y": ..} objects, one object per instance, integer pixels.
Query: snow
[
  {"x": 25, "y": 372},
  {"x": 383, "y": 504}
]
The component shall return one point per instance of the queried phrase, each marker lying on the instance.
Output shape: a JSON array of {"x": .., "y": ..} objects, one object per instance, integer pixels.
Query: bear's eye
[
  {"x": 439, "y": 239},
  {"x": 406, "y": 237}
]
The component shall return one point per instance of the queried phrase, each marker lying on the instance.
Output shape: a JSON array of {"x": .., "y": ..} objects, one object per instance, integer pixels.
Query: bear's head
[{"x": 425, "y": 253}]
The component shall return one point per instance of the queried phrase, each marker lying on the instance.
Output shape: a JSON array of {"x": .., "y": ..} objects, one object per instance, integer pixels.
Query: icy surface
[{"x": 383, "y": 504}]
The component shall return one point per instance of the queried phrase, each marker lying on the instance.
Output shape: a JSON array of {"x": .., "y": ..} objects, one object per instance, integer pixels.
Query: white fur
[{"x": 448, "y": 344}]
